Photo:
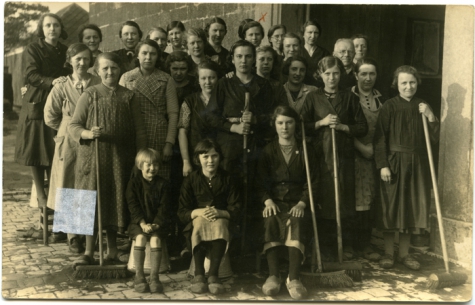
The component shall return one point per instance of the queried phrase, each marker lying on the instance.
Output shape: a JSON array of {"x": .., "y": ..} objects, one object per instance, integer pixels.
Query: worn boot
[
  {"x": 155, "y": 259},
  {"x": 140, "y": 284}
]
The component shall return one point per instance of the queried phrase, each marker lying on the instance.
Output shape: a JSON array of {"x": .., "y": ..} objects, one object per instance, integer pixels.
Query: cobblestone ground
[{"x": 31, "y": 270}]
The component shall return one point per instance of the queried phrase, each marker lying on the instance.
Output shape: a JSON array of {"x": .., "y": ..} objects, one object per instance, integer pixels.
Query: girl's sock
[
  {"x": 218, "y": 248},
  {"x": 139, "y": 259},
  {"x": 295, "y": 261},
  {"x": 155, "y": 259}
]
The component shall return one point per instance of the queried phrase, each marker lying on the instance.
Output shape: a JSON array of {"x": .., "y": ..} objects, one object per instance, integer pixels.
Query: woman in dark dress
[
  {"x": 282, "y": 188},
  {"x": 401, "y": 157},
  {"x": 311, "y": 51},
  {"x": 192, "y": 123},
  {"x": 121, "y": 133},
  {"x": 326, "y": 109},
  {"x": 216, "y": 30},
  {"x": 44, "y": 62},
  {"x": 209, "y": 204}
]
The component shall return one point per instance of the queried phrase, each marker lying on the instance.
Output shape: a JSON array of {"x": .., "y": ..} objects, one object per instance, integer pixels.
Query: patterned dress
[
  {"x": 157, "y": 98},
  {"x": 123, "y": 134},
  {"x": 59, "y": 110}
]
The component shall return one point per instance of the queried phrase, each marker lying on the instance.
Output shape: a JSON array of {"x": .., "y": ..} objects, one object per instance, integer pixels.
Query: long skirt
[
  {"x": 204, "y": 230},
  {"x": 405, "y": 201}
]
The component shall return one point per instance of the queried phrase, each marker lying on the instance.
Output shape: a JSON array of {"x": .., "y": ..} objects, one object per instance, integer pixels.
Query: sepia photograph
[{"x": 249, "y": 152}]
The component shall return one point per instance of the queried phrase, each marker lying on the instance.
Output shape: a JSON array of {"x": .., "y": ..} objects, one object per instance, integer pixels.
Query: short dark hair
[
  {"x": 356, "y": 36},
  {"x": 329, "y": 62},
  {"x": 405, "y": 69},
  {"x": 210, "y": 65},
  {"x": 241, "y": 25},
  {"x": 90, "y": 26},
  {"x": 242, "y": 43},
  {"x": 203, "y": 147},
  {"x": 156, "y": 29},
  {"x": 75, "y": 49},
  {"x": 215, "y": 20},
  {"x": 109, "y": 56},
  {"x": 131, "y": 23},
  {"x": 39, "y": 29},
  {"x": 251, "y": 24},
  {"x": 293, "y": 35},
  {"x": 275, "y": 73},
  {"x": 274, "y": 28},
  {"x": 148, "y": 155},
  {"x": 175, "y": 24},
  {"x": 314, "y": 23},
  {"x": 288, "y": 111},
  {"x": 153, "y": 44},
  {"x": 178, "y": 56},
  {"x": 288, "y": 62},
  {"x": 365, "y": 61}
]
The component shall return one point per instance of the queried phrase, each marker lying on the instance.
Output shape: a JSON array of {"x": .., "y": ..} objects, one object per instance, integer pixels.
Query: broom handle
[
  {"x": 245, "y": 179},
  {"x": 312, "y": 205},
  {"x": 436, "y": 193},
  {"x": 337, "y": 198},
  {"x": 99, "y": 216}
]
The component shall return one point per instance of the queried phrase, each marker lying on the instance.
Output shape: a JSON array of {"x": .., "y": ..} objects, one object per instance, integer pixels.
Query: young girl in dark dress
[
  {"x": 148, "y": 199},
  {"x": 209, "y": 202},
  {"x": 401, "y": 157}
]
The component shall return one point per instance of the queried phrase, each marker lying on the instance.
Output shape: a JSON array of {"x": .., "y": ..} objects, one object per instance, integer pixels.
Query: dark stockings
[
  {"x": 216, "y": 248},
  {"x": 295, "y": 261}
]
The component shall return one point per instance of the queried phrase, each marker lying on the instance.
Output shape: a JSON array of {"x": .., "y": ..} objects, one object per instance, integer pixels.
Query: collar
[{"x": 375, "y": 92}]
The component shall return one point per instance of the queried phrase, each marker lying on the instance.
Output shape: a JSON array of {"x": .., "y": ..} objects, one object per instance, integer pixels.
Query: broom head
[
  {"x": 441, "y": 280},
  {"x": 337, "y": 279},
  {"x": 100, "y": 272},
  {"x": 352, "y": 269}
]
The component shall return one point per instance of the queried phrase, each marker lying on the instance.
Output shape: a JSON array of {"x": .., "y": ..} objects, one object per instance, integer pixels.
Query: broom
[
  {"x": 445, "y": 279},
  {"x": 352, "y": 269},
  {"x": 99, "y": 271},
  {"x": 337, "y": 279}
]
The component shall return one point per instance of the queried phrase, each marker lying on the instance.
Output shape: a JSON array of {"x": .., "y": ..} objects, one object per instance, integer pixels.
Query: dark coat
[{"x": 34, "y": 140}]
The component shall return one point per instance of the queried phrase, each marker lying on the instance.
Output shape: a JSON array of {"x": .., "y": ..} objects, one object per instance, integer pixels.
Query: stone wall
[
  {"x": 456, "y": 135},
  {"x": 110, "y": 16}
]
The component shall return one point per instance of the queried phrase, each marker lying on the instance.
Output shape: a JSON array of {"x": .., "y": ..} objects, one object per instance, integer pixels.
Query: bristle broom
[
  {"x": 336, "y": 279},
  {"x": 442, "y": 280},
  {"x": 100, "y": 272},
  {"x": 355, "y": 275}
]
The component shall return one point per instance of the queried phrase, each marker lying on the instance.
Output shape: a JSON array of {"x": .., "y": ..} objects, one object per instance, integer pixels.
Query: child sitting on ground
[{"x": 148, "y": 198}]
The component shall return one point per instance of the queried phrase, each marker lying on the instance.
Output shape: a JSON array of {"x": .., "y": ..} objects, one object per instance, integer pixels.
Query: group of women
[{"x": 239, "y": 160}]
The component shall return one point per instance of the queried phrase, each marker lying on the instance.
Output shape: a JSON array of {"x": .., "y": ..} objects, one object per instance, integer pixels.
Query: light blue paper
[{"x": 74, "y": 211}]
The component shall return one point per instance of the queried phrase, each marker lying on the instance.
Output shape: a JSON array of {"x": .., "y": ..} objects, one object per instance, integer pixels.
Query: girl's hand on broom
[
  {"x": 298, "y": 210},
  {"x": 271, "y": 208}
]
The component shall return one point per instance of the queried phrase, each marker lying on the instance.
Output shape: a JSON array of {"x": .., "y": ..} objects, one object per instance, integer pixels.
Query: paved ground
[{"x": 31, "y": 270}]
